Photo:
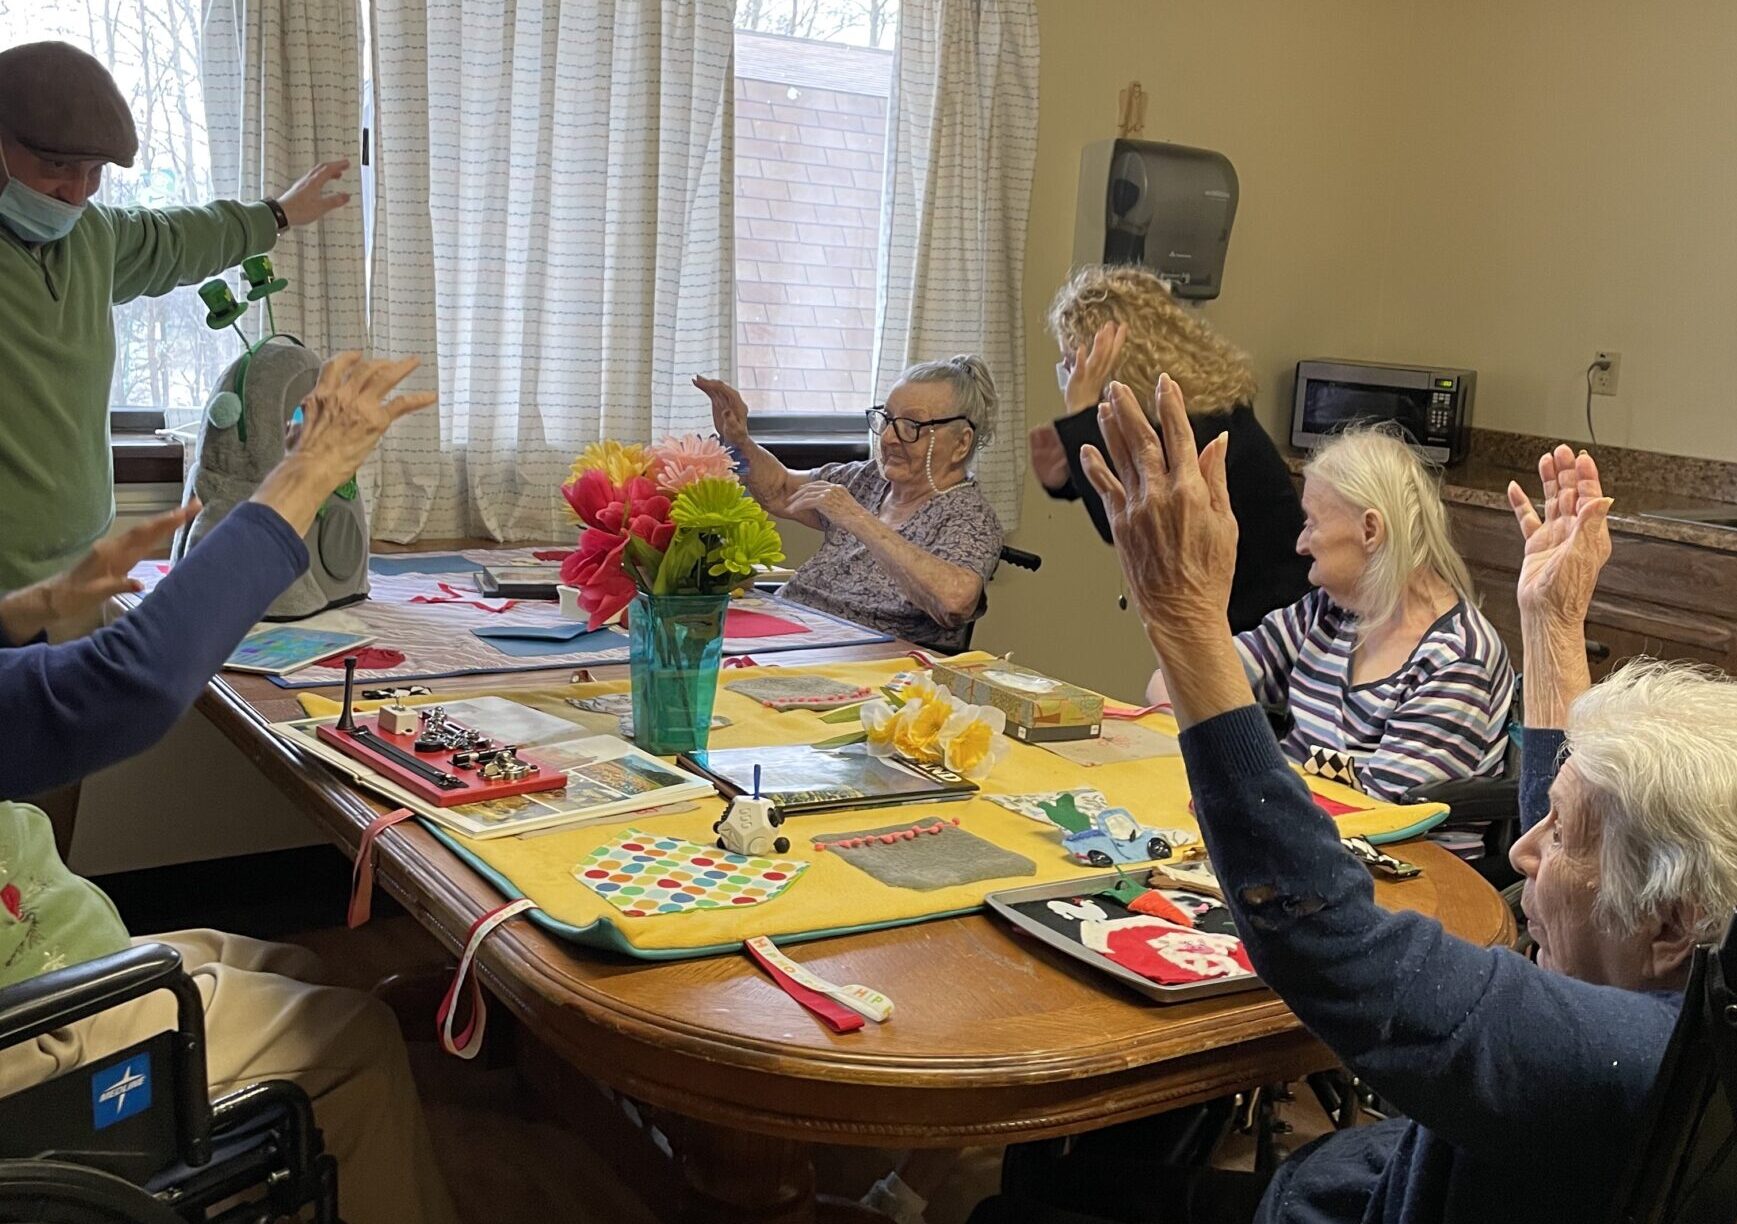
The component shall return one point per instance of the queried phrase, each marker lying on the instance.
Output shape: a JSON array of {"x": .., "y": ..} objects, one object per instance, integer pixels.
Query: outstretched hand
[
  {"x": 1169, "y": 512},
  {"x": 76, "y": 596},
  {"x": 307, "y": 199},
  {"x": 729, "y": 410},
  {"x": 1568, "y": 546}
]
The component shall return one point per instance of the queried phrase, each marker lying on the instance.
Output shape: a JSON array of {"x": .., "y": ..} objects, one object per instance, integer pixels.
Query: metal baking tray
[{"x": 1003, "y": 902}]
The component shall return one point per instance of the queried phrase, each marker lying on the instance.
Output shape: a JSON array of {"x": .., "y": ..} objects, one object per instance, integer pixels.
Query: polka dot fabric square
[{"x": 644, "y": 875}]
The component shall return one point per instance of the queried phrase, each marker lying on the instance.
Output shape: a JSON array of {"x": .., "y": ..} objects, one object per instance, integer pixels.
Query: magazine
[
  {"x": 606, "y": 777},
  {"x": 800, "y": 778}
]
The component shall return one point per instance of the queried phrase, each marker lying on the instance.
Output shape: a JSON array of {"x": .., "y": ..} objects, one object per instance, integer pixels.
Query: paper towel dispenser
[{"x": 1167, "y": 206}]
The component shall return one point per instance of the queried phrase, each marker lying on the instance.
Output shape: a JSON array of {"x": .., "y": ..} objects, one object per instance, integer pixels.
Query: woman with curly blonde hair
[{"x": 1120, "y": 322}]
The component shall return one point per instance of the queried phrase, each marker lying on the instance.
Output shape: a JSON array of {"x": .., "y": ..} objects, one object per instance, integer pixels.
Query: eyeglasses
[{"x": 906, "y": 429}]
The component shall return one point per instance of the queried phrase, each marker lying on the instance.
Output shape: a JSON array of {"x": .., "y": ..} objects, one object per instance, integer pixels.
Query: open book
[{"x": 606, "y": 776}]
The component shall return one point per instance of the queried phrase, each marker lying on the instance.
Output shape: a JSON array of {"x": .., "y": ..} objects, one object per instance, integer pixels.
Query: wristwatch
[{"x": 277, "y": 211}]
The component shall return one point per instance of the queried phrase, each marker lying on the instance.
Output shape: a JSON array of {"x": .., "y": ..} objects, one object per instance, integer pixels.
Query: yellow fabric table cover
[{"x": 832, "y": 896}]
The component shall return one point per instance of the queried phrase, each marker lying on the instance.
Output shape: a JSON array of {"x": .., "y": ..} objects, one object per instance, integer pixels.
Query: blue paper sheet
[
  {"x": 423, "y": 563},
  {"x": 534, "y": 642}
]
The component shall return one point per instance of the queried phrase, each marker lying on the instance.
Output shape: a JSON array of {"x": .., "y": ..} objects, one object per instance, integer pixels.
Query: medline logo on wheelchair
[{"x": 120, "y": 1091}]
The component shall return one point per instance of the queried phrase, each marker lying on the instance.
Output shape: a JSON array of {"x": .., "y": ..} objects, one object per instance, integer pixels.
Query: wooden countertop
[{"x": 1639, "y": 487}]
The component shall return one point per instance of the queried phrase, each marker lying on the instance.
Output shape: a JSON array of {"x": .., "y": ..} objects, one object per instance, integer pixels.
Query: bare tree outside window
[
  {"x": 864, "y": 23},
  {"x": 166, "y": 359}
]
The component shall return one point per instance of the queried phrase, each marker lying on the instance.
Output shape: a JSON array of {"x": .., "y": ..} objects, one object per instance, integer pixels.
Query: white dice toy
[{"x": 750, "y": 826}]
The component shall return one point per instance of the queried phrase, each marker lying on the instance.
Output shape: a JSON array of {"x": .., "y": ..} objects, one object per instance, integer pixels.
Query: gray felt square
[{"x": 926, "y": 861}]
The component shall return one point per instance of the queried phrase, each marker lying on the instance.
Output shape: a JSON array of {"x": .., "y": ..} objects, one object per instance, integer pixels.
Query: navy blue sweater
[
  {"x": 1522, "y": 1088},
  {"x": 70, "y": 709}
]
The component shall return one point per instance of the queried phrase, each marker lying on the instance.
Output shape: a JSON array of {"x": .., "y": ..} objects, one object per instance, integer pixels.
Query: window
[
  {"x": 812, "y": 78},
  {"x": 166, "y": 359}
]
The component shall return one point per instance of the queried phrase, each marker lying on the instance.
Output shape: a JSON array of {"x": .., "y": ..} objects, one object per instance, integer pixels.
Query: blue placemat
[
  {"x": 534, "y": 643},
  {"x": 423, "y": 563}
]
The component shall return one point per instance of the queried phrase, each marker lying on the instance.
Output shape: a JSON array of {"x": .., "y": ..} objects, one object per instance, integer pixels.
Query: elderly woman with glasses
[{"x": 910, "y": 539}]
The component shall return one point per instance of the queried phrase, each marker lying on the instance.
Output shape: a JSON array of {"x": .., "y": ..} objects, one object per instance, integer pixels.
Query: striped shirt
[{"x": 1441, "y": 716}]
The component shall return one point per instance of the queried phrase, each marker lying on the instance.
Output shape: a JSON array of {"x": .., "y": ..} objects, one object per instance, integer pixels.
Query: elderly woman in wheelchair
[
  {"x": 1386, "y": 676},
  {"x": 73, "y": 708},
  {"x": 1524, "y": 1086},
  {"x": 910, "y": 540}
]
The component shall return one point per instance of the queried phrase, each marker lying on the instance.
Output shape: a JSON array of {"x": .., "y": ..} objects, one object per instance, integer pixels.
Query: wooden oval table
[{"x": 996, "y": 1038}]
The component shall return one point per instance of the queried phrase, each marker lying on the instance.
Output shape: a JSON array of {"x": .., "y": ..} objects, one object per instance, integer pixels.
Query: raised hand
[
  {"x": 307, "y": 200},
  {"x": 1094, "y": 366},
  {"x": 1568, "y": 546},
  {"x": 347, "y": 412},
  {"x": 1049, "y": 458},
  {"x": 729, "y": 411},
  {"x": 1169, "y": 512}
]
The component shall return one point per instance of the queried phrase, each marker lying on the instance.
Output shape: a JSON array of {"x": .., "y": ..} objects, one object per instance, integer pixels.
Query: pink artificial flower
[{"x": 677, "y": 462}]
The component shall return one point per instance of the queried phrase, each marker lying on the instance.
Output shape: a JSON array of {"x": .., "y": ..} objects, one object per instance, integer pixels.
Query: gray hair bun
[{"x": 973, "y": 390}]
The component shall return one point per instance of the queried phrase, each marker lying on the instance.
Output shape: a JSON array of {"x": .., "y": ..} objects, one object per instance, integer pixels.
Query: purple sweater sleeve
[{"x": 72, "y": 708}]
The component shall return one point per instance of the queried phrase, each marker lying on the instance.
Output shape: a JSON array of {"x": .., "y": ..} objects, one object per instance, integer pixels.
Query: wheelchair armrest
[
  {"x": 65, "y": 996},
  {"x": 1486, "y": 799}
]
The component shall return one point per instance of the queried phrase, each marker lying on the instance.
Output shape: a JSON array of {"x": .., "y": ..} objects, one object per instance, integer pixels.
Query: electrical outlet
[{"x": 1604, "y": 380}]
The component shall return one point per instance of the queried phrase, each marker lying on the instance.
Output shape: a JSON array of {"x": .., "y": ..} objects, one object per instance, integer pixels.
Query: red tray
[{"x": 476, "y": 789}]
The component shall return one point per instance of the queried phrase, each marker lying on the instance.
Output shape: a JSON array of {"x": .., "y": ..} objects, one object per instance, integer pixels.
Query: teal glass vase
[{"x": 677, "y": 644}]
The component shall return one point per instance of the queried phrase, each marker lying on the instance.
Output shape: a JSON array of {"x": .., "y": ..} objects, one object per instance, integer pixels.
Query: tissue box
[{"x": 1038, "y": 707}]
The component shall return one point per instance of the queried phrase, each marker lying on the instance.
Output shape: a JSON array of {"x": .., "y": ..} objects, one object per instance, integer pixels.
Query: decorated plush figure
[{"x": 243, "y": 438}]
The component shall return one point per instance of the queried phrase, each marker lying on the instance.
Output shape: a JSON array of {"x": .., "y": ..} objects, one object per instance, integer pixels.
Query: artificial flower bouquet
[
  {"x": 667, "y": 519},
  {"x": 921, "y": 721}
]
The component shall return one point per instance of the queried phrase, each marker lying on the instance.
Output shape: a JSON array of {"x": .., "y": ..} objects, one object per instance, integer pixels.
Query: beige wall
[
  {"x": 1478, "y": 183},
  {"x": 1561, "y": 186},
  {"x": 1235, "y": 75}
]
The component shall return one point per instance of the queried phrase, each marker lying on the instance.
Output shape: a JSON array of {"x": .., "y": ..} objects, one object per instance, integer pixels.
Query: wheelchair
[{"x": 134, "y": 1138}]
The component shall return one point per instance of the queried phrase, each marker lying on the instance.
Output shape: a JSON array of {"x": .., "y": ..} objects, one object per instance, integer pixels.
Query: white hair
[
  {"x": 1656, "y": 744},
  {"x": 973, "y": 391},
  {"x": 1373, "y": 468}
]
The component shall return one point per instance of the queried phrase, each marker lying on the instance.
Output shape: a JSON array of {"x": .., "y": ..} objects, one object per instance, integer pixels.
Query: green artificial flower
[
  {"x": 714, "y": 504},
  {"x": 744, "y": 546},
  {"x": 685, "y": 554}
]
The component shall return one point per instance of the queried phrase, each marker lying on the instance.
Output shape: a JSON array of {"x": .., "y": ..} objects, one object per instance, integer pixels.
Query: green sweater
[
  {"x": 49, "y": 918},
  {"x": 57, "y": 356}
]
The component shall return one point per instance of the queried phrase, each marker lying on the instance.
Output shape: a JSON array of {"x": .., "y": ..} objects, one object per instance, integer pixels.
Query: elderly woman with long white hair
[
  {"x": 1523, "y": 1087},
  {"x": 910, "y": 538},
  {"x": 1389, "y": 675}
]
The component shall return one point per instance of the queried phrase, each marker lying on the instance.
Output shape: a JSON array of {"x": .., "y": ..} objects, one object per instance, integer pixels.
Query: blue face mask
[{"x": 33, "y": 216}]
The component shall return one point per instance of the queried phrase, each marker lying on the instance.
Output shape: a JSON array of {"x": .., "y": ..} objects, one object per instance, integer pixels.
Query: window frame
[{"x": 804, "y": 440}]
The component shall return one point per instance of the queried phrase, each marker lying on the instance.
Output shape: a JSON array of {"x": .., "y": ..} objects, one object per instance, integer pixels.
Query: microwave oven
[{"x": 1432, "y": 405}]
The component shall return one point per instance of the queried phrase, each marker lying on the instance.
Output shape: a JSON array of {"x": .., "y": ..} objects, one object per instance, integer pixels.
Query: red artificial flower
[
  {"x": 590, "y": 496},
  {"x": 596, "y": 569},
  {"x": 611, "y": 514},
  {"x": 606, "y": 594},
  {"x": 594, "y": 545}
]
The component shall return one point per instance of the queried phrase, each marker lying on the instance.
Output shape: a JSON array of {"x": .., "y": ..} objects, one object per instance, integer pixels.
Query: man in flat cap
[{"x": 65, "y": 262}]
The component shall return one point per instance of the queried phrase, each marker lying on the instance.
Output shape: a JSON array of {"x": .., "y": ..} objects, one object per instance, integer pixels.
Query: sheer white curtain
[
  {"x": 961, "y": 154},
  {"x": 553, "y": 234},
  {"x": 282, "y": 82}
]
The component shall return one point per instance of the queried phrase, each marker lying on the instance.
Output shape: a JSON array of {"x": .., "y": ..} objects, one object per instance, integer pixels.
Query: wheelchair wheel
[{"x": 51, "y": 1192}]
